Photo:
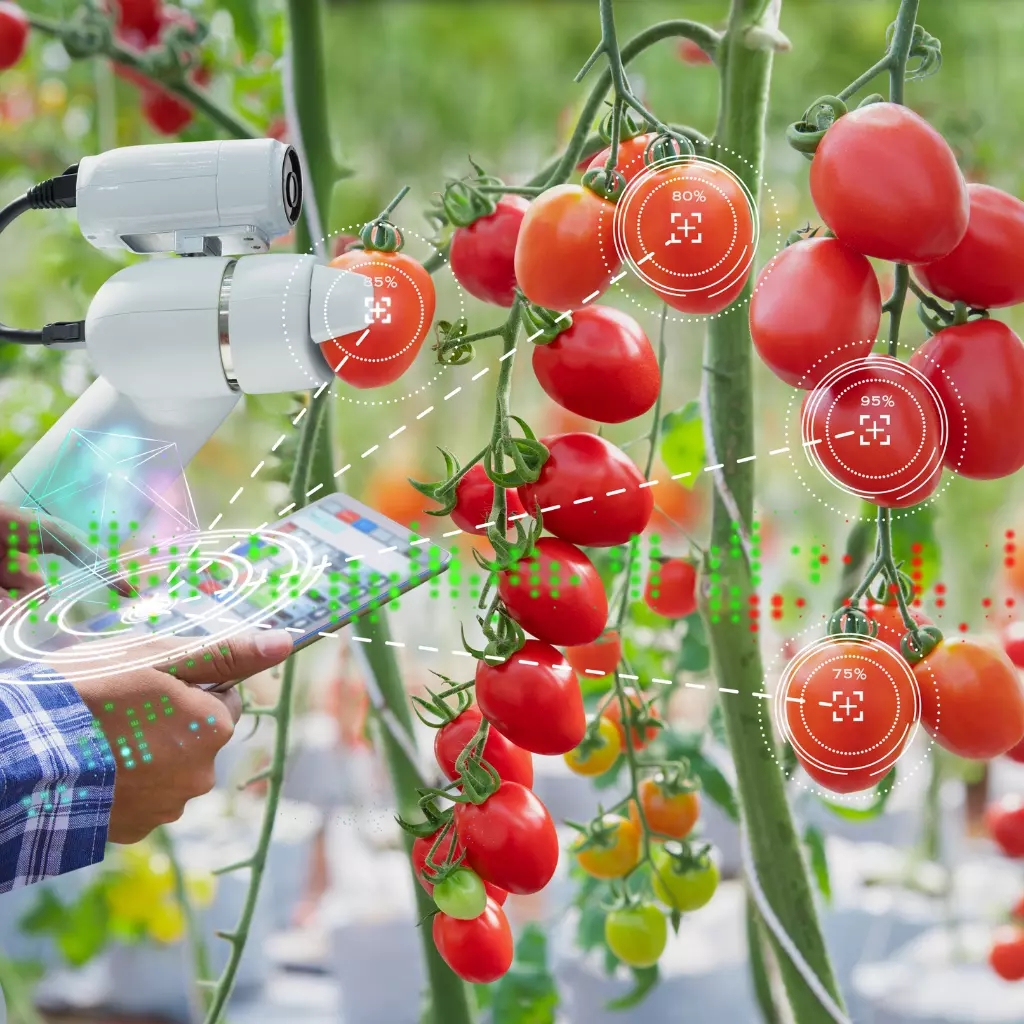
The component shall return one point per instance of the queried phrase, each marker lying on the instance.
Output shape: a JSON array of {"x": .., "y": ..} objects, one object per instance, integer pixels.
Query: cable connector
[
  {"x": 55, "y": 193},
  {"x": 64, "y": 332}
]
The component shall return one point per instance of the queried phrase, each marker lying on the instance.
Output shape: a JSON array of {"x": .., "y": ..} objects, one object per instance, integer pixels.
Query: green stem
[
  {"x": 758, "y": 964},
  {"x": 193, "y": 932},
  {"x": 872, "y": 73},
  {"x": 448, "y": 1002},
  {"x": 767, "y": 819},
  {"x": 899, "y": 50}
]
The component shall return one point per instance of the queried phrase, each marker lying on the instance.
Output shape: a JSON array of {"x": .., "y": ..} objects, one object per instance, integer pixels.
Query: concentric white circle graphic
[{"x": 66, "y": 629}]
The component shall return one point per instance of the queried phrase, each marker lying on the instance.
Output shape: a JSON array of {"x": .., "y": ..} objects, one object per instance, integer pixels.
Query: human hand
[{"x": 164, "y": 731}]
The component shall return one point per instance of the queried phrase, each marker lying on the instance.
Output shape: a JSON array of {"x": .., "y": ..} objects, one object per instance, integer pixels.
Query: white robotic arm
[{"x": 175, "y": 342}]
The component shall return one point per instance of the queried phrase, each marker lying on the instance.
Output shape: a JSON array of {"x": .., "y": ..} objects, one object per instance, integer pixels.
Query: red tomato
[
  {"x": 421, "y": 850},
  {"x": 672, "y": 588},
  {"x": 597, "y": 659},
  {"x": 585, "y": 466},
  {"x": 1017, "y": 753},
  {"x": 972, "y": 702},
  {"x": 612, "y": 710},
  {"x": 567, "y": 603},
  {"x": 1013, "y": 643},
  {"x": 987, "y": 268},
  {"x": 510, "y": 839},
  {"x": 482, "y": 256},
  {"x": 163, "y": 110},
  {"x": 602, "y": 367},
  {"x": 691, "y": 53},
  {"x": 566, "y": 247},
  {"x": 474, "y": 496},
  {"x": 629, "y": 161},
  {"x": 533, "y": 699},
  {"x": 978, "y": 370},
  {"x": 386, "y": 348},
  {"x": 1006, "y": 955},
  {"x": 478, "y": 950},
  {"x": 1004, "y": 820},
  {"x": 659, "y": 227},
  {"x": 892, "y": 459},
  {"x": 891, "y": 628},
  {"x": 139, "y": 21},
  {"x": 14, "y": 28},
  {"x": 858, "y": 707},
  {"x": 887, "y": 184},
  {"x": 801, "y": 341},
  {"x": 512, "y": 763}
]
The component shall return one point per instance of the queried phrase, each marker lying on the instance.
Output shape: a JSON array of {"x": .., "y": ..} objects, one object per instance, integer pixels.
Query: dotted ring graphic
[
  {"x": 733, "y": 307},
  {"x": 797, "y": 415},
  {"x": 119, "y": 645},
  {"x": 778, "y": 716},
  {"x": 388, "y": 270}
]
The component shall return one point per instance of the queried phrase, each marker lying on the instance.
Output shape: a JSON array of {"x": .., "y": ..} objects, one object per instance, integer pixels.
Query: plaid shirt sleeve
[{"x": 56, "y": 779}]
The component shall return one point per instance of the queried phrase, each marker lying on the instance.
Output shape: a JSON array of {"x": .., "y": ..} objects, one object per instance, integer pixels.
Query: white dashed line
[
  {"x": 369, "y": 451},
  {"x": 310, "y": 493},
  {"x": 778, "y": 451},
  {"x": 477, "y": 376},
  {"x": 452, "y": 394},
  {"x": 235, "y": 496},
  {"x": 344, "y": 469},
  {"x": 260, "y": 465},
  {"x": 395, "y": 433},
  {"x": 429, "y": 409}
]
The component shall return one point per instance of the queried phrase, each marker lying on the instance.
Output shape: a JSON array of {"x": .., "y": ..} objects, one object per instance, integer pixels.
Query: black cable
[{"x": 52, "y": 194}]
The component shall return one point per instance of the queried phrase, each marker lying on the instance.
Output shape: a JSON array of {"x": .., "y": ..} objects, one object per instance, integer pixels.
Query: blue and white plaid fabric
[{"x": 56, "y": 779}]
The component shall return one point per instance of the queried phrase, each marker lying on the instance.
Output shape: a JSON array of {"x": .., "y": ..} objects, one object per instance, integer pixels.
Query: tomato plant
[
  {"x": 972, "y": 701},
  {"x": 977, "y": 368},
  {"x": 891, "y": 628},
  {"x": 533, "y": 699},
  {"x": 555, "y": 593},
  {"x": 404, "y": 294},
  {"x": 421, "y": 848},
  {"x": 610, "y": 848},
  {"x": 601, "y": 367},
  {"x": 887, "y": 183},
  {"x": 566, "y": 248},
  {"x": 599, "y": 658},
  {"x": 670, "y": 813},
  {"x": 986, "y": 268},
  {"x": 509, "y": 839},
  {"x": 479, "y": 950},
  {"x": 636, "y": 709},
  {"x": 482, "y": 254},
  {"x": 512, "y": 763},
  {"x": 598, "y": 752},
  {"x": 589, "y": 492},
  {"x": 671, "y": 588},
  {"x": 800, "y": 341},
  {"x": 842, "y": 749},
  {"x": 680, "y": 882},
  {"x": 637, "y": 935}
]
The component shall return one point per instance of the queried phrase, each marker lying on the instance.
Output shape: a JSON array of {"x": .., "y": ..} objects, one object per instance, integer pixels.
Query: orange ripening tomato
[
  {"x": 615, "y": 854},
  {"x": 629, "y": 161},
  {"x": 850, "y": 706},
  {"x": 398, "y": 321},
  {"x": 612, "y": 710},
  {"x": 972, "y": 702},
  {"x": 891, "y": 628},
  {"x": 661, "y": 219},
  {"x": 669, "y": 815},
  {"x": 598, "y": 658},
  {"x": 390, "y": 493},
  {"x": 566, "y": 248}
]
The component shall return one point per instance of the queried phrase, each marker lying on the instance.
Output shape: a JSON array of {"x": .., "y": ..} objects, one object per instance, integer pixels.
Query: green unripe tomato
[
  {"x": 636, "y": 935},
  {"x": 684, "y": 890},
  {"x": 461, "y": 895}
]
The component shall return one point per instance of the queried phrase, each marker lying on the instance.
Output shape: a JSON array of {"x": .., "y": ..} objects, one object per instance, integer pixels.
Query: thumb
[{"x": 231, "y": 660}]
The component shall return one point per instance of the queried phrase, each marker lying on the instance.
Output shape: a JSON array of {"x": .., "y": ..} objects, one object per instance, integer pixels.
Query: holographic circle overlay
[
  {"x": 688, "y": 227},
  {"x": 172, "y": 608},
  {"x": 394, "y": 292},
  {"x": 873, "y": 429},
  {"x": 849, "y": 706}
]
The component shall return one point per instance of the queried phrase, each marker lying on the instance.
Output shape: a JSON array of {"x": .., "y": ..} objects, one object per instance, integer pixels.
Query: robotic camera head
[{"x": 229, "y": 197}]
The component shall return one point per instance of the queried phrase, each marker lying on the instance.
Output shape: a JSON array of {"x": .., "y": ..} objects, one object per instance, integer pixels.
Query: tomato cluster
[{"x": 887, "y": 186}]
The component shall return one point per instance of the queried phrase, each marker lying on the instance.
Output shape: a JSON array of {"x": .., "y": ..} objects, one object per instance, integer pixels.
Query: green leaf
[
  {"x": 246, "y": 21},
  {"x": 874, "y": 809},
  {"x": 85, "y": 931},
  {"x": 45, "y": 916},
  {"x": 814, "y": 840},
  {"x": 527, "y": 993},
  {"x": 644, "y": 979},
  {"x": 918, "y": 529},
  {"x": 682, "y": 442},
  {"x": 715, "y": 785}
]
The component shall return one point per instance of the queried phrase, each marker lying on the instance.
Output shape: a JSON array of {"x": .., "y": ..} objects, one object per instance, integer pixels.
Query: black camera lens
[{"x": 292, "y": 186}]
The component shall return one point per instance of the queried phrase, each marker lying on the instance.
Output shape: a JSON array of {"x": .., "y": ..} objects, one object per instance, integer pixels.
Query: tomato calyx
[
  {"x": 526, "y": 454},
  {"x": 605, "y": 182},
  {"x": 628, "y": 126},
  {"x": 805, "y": 134},
  {"x": 592, "y": 740},
  {"x": 851, "y": 621},
  {"x": 437, "y": 712},
  {"x": 543, "y": 325},
  {"x": 504, "y": 636},
  {"x": 674, "y": 779},
  {"x": 379, "y": 234},
  {"x": 463, "y": 203},
  {"x": 444, "y": 491},
  {"x": 451, "y": 346},
  {"x": 600, "y": 833},
  {"x": 668, "y": 147},
  {"x": 916, "y": 644}
]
